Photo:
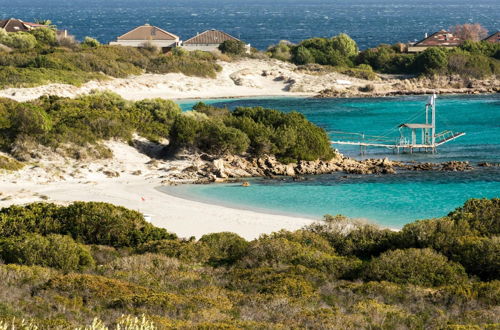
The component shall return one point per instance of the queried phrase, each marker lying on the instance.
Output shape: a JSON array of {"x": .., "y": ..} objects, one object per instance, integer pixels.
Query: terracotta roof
[
  {"x": 495, "y": 37},
  {"x": 441, "y": 38},
  {"x": 148, "y": 32},
  {"x": 13, "y": 25},
  {"x": 209, "y": 37}
]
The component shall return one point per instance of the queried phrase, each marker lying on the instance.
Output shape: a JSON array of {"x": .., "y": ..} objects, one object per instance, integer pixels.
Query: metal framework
[{"x": 408, "y": 140}]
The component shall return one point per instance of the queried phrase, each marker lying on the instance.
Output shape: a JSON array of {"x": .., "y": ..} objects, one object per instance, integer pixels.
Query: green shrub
[
  {"x": 432, "y": 60},
  {"x": 187, "y": 251},
  {"x": 281, "y": 51},
  {"x": 56, "y": 251},
  {"x": 106, "y": 224},
  {"x": 349, "y": 238},
  {"x": 278, "y": 251},
  {"x": 345, "y": 45},
  {"x": 423, "y": 267},
  {"x": 301, "y": 55},
  {"x": 480, "y": 256},
  {"x": 306, "y": 238},
  {"x": 18, "y": 40},
  {"x": 234, "y": 47},
  {"x": 90, "y": 42},
  {"x": 224, "y": 248},
  {"x": 92, "y": 223},
  {"x": 480, "y": 214},
  {"x": 45, "y": 36}
]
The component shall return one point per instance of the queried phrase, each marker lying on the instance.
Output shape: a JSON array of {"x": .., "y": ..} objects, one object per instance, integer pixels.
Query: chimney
[{"x": 425, "y": 35}]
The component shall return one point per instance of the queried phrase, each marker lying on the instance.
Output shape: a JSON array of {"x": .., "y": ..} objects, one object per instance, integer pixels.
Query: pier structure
[{"x": 413, "y": 136}]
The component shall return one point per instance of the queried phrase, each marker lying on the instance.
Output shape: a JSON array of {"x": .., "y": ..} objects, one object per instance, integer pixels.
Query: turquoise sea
[{"x": 389, "y": 200}]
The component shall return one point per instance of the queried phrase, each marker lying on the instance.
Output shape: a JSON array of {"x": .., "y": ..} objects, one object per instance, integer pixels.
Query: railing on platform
[{"x": 339, "y": 136}]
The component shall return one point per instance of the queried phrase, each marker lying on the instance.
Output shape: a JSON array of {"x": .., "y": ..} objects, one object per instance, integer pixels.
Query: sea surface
[
  {"x": 388, "y": 200},
  {"x": 261, "y": 22}
]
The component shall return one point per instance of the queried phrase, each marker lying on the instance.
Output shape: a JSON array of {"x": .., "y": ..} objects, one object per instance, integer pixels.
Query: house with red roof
[
  {"x": 495, "y": 37},
  {"x": 147, "y": 35},
  {"x": 208, "y": 41},
  {"x": 17, "y": 25},
  {"x": 441, "y": 38},
  {"x": 12, "y": 25}
]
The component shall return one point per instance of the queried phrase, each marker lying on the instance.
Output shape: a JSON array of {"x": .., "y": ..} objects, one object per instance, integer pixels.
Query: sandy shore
[
  {"x": 184, "y": 217},
  {"x": 130, "y": 179}
]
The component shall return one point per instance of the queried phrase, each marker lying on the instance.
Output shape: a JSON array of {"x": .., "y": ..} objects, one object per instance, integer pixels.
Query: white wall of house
[
  {"x": 141, "y": 43},
  {"x": 207, "y": 47},
  {"x": 203, "y": 47}
]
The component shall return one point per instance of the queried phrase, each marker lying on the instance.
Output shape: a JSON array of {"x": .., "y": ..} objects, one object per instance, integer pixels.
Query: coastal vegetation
[
  {"x": 472, "y": 59},
  {"x": 38, "y": 57},
  {"x": 63, "y": 124},
  {"x": 95, "y": 264}
]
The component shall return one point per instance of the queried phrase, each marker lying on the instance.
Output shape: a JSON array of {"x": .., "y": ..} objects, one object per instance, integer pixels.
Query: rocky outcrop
[
  {"x": 414, "y": 86},
  {"x": 454, "y": 166},
  {"x": 233, "y": 167}
]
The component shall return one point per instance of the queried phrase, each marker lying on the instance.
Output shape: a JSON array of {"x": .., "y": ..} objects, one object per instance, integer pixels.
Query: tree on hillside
[
  {"x": 345, "y": 45},
  {"x": 473, "y": 32},
  {"x": 233, "y": 47}
]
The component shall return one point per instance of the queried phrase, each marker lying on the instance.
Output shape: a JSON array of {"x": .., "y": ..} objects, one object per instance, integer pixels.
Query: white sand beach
[{"x": 62, "y": 181}]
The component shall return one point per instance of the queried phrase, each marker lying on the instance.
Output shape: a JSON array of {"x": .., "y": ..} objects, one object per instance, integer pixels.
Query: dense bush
[
  {"x": 362, "y": 241},
  {"x": 423, "y": 267},
  {"x": 258, "y": 131},
  {"x": 481, "y": 215},
  {"x": 19, "y": 40},
  {"x": 60, "y": 252},
  {"x": 91, "y": 223},
  {"x": 282, "y": 280},
  {"x": 472, "y": 59},
  {"x": 432, "y": 60},
  {"x": 281, "y": 51},
  {"x": 54, "y": 121},
  {"x": 224, "y": 248},
  {"x": 337, "y": 51}
]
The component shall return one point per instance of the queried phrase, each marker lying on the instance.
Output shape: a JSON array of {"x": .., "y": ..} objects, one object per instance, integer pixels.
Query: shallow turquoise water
[{"x": 389, "y": 200}]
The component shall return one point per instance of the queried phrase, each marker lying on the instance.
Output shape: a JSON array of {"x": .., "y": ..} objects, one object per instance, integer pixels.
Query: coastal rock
[{"x": 456, "y": 166}]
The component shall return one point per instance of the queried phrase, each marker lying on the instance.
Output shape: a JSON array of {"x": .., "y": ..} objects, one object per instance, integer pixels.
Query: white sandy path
[{"x": 184, "y": 217}]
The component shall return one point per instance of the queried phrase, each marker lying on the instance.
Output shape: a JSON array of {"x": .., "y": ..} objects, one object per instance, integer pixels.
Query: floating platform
[{"x": 408, "y": 140}]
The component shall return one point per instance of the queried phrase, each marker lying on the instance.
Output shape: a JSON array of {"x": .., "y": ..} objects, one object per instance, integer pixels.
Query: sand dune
[{"x": 248, "y": 77}]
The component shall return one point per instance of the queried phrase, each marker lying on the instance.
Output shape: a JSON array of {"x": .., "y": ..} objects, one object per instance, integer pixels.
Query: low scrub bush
[
  {"x": 60, "y": 252},
  {"x": 423, "y": 267},
  {"x": 91, "y": 223},
  {"x": 224, "y": 248}
]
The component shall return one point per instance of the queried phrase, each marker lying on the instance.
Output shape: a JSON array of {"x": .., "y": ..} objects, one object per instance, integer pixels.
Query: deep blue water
[
  {"x": 389, "y": 200},
  {"x": 261, "y": 22}
]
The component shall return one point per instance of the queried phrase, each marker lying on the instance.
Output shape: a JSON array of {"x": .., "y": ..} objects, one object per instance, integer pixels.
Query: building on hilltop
[
  {"x": 209, "y": 41},
  {"x": 441, "y": 38},
  {"x": 495, "y": 37},
  {"x": 148, "y": 35}
]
